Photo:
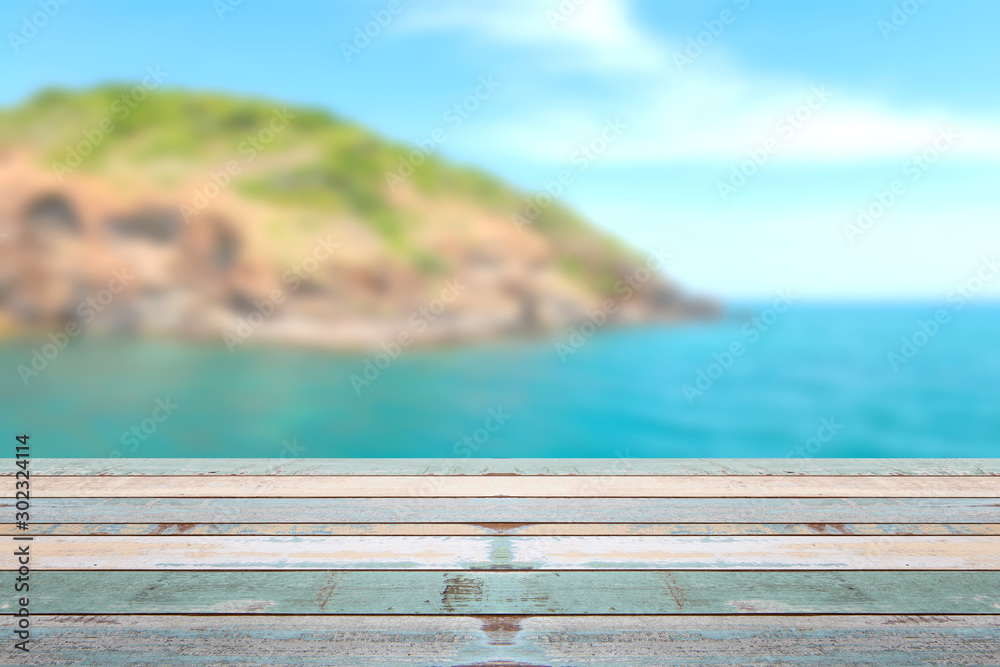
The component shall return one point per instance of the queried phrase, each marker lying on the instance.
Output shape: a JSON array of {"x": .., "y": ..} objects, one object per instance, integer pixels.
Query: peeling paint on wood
[
  {"x": 648, "y": 486},
  {"x": 488, "y": 563},
  {"x": 526, "y": 529},
  {"x": 515, "y": 592},
  {"x": 313, "y": 552},
  {"x": 518, "y": 510},
  {"x": 444, "y": 466},
  {"x": 596, "y": 641}
]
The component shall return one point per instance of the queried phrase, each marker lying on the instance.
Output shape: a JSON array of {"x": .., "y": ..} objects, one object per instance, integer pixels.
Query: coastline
[{"x": 357, "y": 335}]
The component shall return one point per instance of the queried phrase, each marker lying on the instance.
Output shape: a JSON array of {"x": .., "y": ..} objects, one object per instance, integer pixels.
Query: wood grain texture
[
  {"x": 580, "y": 486},
  {"x": 529, "y": 529},
  {"x": 623, "y": 465},
  {"x": 515, "y": 510},
  {"x": 513, "y": 592},
  {"x": 489, "y": 562},
  {"x": 453, "y": 641},
  {"x": 184, "y": 552}
]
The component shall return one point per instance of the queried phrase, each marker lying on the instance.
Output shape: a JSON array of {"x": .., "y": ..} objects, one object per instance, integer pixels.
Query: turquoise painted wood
[
  {"x": 514, "y": 592},
  {"x": 516, "y": 510},
  {"x": 469, "y": 466},
  {"x": 602, "y": 617},
  {"x": 596, "y": 641}
]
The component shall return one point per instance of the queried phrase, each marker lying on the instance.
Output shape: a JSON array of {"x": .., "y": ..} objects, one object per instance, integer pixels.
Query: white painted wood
[
  {"x": 674, "y": 486},
  {"x": 448, "y": 553}
]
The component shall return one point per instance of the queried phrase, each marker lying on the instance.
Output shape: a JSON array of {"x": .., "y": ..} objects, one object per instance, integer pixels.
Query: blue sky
[{"x": 890, "y": 85}]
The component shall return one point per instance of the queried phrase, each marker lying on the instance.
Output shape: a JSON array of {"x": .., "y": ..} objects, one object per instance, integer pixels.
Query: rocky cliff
[{"x": 203, "y": 215}]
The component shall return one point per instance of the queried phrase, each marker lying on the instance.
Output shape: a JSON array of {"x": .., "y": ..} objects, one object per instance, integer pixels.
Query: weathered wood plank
[
  {"x": 623, "y": 465},
  {"x": 515, "y": 510},
  {"x": 536, "y": 486},
  {"x": 595, "y": 641},
  {"x": 278, "y": 529},
  {"x": 183, "y": 552},
  {"x": 513, "y": 592},
  {"x": 778, "y": 551}
]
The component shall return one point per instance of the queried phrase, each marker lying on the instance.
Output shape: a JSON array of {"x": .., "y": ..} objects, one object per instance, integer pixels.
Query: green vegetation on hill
[{"x": 319, "y": 162}]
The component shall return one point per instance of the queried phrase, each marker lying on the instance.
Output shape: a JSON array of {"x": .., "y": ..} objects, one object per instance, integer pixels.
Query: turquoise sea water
[{"x": 620, "y": 394}]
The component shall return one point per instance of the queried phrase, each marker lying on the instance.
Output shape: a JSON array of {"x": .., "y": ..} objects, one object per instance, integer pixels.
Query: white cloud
[
  {"x": 593, "y": 34},
  {"x": 715, "y": 119},
  {"x": 713, "y": 110}
]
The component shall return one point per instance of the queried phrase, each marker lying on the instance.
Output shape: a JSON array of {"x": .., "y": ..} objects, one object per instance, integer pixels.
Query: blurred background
[{"x": 433, "y": 228}]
